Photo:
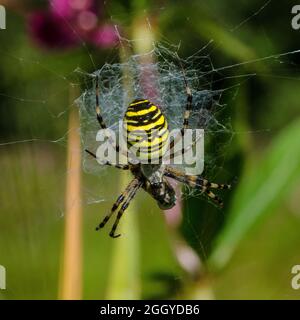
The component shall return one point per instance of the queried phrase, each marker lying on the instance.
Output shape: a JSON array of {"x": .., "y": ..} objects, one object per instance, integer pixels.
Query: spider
[{"x": 141, "y": 114}]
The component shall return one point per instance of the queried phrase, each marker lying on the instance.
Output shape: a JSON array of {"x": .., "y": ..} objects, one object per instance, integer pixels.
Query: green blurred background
[{"x": 247, "y": 250}]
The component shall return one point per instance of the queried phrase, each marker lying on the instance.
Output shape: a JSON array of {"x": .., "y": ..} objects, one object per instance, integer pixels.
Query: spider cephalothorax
[{"x": 146, "y": 131}]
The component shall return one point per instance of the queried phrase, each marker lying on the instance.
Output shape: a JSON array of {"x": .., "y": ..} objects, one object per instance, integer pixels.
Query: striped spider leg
[
  {"x": 197, "y": 182},
  {"x": 122, "y": 202},
  {"x": 106, "y": 163},
  {"x": 100, "y": 117},
  {"x": 128, "y": 194},
  {"x": 186, "y": 117}
]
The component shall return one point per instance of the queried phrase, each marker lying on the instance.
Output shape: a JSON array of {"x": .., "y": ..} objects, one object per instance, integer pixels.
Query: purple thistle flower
[
  {"x": 67, "y": 22},
  {"x": 51, "y": 31},
  {"x": 105, "y": 36},
  {"x": 62, "y": 8}
]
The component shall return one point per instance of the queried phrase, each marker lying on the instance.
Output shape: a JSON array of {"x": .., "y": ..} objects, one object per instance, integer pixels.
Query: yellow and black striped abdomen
[{"x": 146, "y": 129}]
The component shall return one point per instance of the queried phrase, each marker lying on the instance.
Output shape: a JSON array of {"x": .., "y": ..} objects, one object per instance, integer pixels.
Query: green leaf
[{"x": 260, "y": 190}]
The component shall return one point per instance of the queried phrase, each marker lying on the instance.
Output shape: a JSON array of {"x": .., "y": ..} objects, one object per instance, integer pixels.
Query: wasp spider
[{"x": 143, "y": 115}]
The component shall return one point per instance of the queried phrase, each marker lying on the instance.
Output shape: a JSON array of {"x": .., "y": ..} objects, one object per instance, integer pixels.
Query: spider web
[{"x": 162, "y": 80}]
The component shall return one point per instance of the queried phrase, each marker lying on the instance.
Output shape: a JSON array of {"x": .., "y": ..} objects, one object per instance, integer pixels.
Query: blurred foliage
[{"x": 257, "y": 232}]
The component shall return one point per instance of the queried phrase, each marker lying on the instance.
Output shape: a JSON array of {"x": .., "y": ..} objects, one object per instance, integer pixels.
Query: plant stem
[{"x": 71, "y": 273}]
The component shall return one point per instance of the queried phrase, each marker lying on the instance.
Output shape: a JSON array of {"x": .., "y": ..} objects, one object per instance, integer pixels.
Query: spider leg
[
  {"x": 186, "y": 116},
  {"x": 189, "y": 99},
  {"x": 119, "y": 201},
  {"x": 124, "y": 206},
  {"x": 183, "y": 150},
  {"x": 197, "y": 182},
  {"x": 98, "y": 110},
  {"x": 99, "y": 115},
  {"x": 106, "y": 163},
  {"x": 188, "y": 107},
  {"x": 214, "y": 198},
  {"x": 193, "y": 181}
]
